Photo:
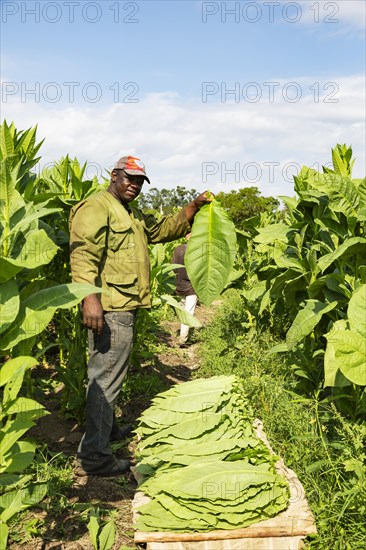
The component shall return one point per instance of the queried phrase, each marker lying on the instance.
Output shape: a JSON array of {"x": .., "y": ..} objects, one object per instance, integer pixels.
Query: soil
[{"x": 66, "y": 530}]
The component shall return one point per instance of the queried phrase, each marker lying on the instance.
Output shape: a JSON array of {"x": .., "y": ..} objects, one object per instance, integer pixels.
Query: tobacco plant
[
  {"x": 28, "y": 301},
  {"x": 312, "y": 264},
  {"x": 63, "y": 185}
]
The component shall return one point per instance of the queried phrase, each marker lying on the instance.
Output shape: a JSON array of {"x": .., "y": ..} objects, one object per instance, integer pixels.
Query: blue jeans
[{"x": 109, "y": 355}]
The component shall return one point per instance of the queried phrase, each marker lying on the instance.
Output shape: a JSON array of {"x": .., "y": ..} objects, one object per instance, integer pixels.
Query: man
[
  {"x": 109, "y": 248},
  {"x": 184, "y": 288}
]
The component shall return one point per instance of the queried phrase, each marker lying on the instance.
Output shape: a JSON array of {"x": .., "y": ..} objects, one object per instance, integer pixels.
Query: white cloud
[
  {"x": 213, "y": 145},
  {"x": 340, "y": 13}
]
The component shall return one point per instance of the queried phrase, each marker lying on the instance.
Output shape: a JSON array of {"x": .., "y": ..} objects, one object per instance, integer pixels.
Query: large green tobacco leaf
[
  {"x": 222, "y": 383},
  {"x": 14, "y": 501},
  {"x": 37, "y": 310},
  {"x": 307, "y": 179},
  {"x": 12, "y": 431},
  {"x": 37, "y": 250},
  {"x": 184, "y": 316},
  {"x": 250, "y": 506},
  {"x": 353, "y": 246},
  {"x": 223, "y": 430},
  {"x": 284, "y": 259},
  {"x": 278, "y": 283},
  {"x": 185, "y": 430},
  {"x": 156, "y": 418},
  {"x": 345, "y": 355},
  {"x": 332, "y": 374},
  {"x": 27, "y": 142},
  {"x": 32, "y": 215},
  {"x": 16, "y": 455},
  {"x": 158, "y": 253},
  {"x": 350, "y": 355},
  {"x": 210, "y": 254},
  {"x": 361, "y": 188},
  {"x": 230, "y": 478},
  {"x": 107, "y": 536},
  {"x": 6, "y": 140},
  {"x": 12, "y": 368},
  {"x": 306, "y": 320},
  {"x": 272, "y": 233},
  {"x": 25, "y": 405},
  {"x": 20, "y": 457},
  {"x": 290, "y": 202},
  {"x": 255, "y": 292},
  {"x": 341, "y": 158},
  {"x": 332, "y": 225},
  {"x": 357, "y": 311},
  {"x": 154, "y": 517},
  {"x": 344, "y": 197},
  {"x": 93, "y": 527},
  {"x": 198, "y": 400},
  {"x": 9, "y": 303},
  {"x": 11, "y": 376},
  {"x": 8, "y": 268},
  {"x": 342, "y": 193},
  {"x": 7, "y": 191},
  {"x": 203, "y": 450},
  {"x": 4, "y": 533},
  {"x": 7, "y": 188}
]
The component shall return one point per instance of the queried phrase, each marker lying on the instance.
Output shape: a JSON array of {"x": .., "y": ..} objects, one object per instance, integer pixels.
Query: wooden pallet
[
  {"x": 286, "y": 531},
  {"x": 282, "y": 543}
]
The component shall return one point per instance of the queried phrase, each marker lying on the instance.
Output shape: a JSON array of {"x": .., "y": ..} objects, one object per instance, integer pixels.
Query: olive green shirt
[{"x": 108, "y": 248}]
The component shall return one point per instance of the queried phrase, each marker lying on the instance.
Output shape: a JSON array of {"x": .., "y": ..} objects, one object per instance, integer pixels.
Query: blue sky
[{"x": 153, "y": 78}]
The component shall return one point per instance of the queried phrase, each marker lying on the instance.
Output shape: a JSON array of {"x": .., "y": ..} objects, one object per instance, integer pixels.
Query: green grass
[{"x": 326, "y": 450}]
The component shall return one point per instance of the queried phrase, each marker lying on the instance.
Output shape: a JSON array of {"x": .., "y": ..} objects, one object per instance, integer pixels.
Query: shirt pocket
[
  {"x": 123, "y": 290},
  {"x": 120, "y": 234}
]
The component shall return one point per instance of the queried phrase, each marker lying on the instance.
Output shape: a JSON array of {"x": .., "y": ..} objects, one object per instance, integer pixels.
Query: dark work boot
[
  {"x": 115, "y": 468},
  {"x": 120, "y": 432}
]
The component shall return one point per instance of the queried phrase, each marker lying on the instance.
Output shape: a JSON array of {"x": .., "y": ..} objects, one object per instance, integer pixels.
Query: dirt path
[{"x": 65, "y": 529}]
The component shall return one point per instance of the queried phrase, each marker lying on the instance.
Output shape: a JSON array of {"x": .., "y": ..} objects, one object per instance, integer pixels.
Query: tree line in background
[{"x": 240, "y": 205}]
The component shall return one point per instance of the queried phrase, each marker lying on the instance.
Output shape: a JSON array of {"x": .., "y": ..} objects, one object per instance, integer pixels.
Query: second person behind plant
[{"x": 184, "y": 288}]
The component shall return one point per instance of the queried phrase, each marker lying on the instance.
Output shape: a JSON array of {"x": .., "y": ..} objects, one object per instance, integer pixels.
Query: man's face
[{"x": 127, "y": 187}]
